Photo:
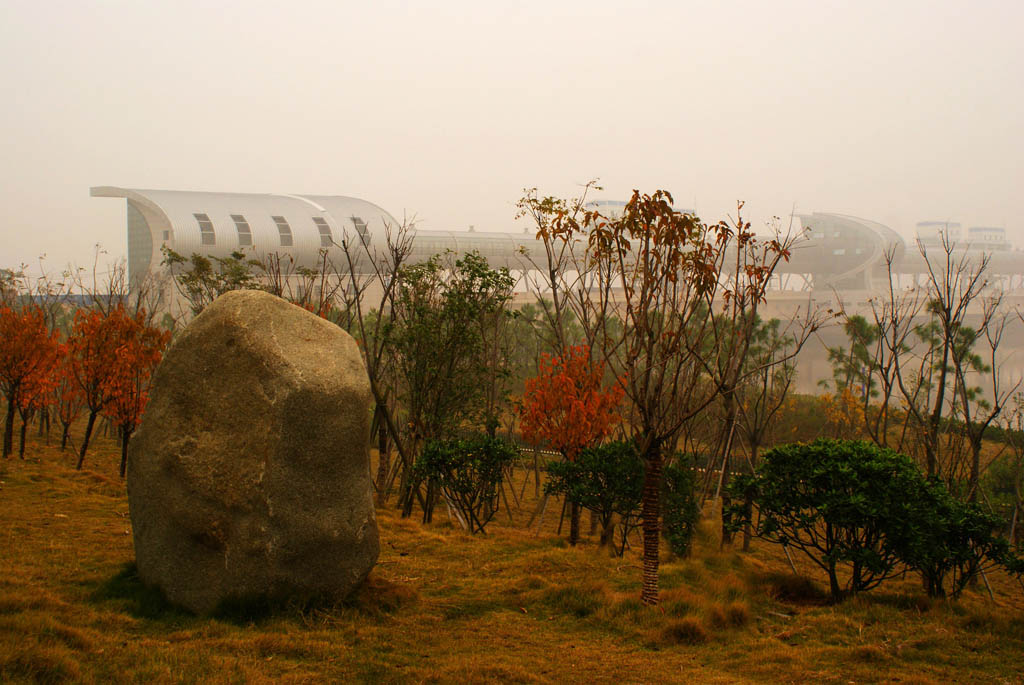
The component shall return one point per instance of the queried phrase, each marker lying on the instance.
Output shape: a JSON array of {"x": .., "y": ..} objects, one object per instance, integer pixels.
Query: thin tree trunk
[
  {"x": 574, "y": 523},
  {"x": 789, "y": 557},
  {"x": 833, "y": 583},
  {"x": 724, "y": 482},
  {"x": 85, "y": 439},
  {"x": 932, "y": 445},
  {"x": 9, "y": 428},
  {"x": 651, "y": 513},
  {"x": 124, "y": 449},
  {"x": 607, "y": 532},
  {"x": 975, "y": 471},
  {"x": 383, "y": 460},
  {"x": 21, "y": 443},
  {"x": 748, "y": 502},
  {"x": 541, "y": 506},
  {"x": 65, "y": 434},
  {"x": 536, "y": 471}
]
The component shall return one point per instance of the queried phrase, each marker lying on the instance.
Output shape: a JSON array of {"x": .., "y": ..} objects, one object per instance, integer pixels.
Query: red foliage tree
[
  {"x": 566, "y": 407},
  {"x": 27, "y": 355},
  {"x": 36, "y": 391},
  {"x": 66, "y": 397},
  {"x": 104, "y": 350},
  {"x": 129, "y": 382}
]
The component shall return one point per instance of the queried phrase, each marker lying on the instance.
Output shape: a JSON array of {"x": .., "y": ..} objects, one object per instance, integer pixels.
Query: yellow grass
[{"x": 442, "y": 606}]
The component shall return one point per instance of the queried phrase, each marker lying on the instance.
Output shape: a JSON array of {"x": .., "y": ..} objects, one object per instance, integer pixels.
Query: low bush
[
  {"x": 686, "y": 631},
  {"x": 681, "y": 512},
  {"x": 607, "y": 480},
  {"x": 947, "y": 540},
  {"x": 469, "y": 473},
  {"x": 869, "y": 511}
]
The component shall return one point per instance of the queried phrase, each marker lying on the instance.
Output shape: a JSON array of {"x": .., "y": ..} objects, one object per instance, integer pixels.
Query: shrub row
[{"x": 864, "y": 514}]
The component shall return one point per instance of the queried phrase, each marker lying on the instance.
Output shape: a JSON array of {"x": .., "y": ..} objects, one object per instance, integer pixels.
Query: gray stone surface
[{"x": 249, "y": 476}]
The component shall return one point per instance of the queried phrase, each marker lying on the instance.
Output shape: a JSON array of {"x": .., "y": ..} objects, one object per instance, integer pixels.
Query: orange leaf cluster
[
  {"x": 844, "y": 414},
  {"x": 28, "y": 353},
  {"x": 565, "y": 406},
  {"x": 112, "y": 356}
]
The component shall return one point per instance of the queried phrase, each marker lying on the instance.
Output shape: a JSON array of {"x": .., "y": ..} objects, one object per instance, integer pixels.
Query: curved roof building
[
  {"x": 217, "y": 224},
  {"x": 844, "y": 251}
]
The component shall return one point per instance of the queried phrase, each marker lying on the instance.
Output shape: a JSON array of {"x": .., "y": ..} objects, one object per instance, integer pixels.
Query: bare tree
[
  {"x": 105, "y": 287},
  {"x": 977, "y": 410},
  {"x": 931, "y": 368},
  {"x": 955, "y": 281},
  {"x": 376, "y": 273},
  {"x": 1013, "y": 425}
]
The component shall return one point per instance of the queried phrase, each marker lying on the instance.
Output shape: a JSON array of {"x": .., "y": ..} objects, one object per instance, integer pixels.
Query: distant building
[
  {"x": 836, "y": 252},
  {"x": 988, "y": 238},
  {"x": 217, "y": 224},
  {"x": 844, "y": 252},
  {"x": 931, "y": 234}
]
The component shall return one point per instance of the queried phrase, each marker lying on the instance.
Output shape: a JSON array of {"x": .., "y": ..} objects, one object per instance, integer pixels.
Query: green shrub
[
  {"x": 946, "y": 539},
  {"x": 680, "y": 511},
  {"x": 469, "y": 472},
  {"x": 608, "y": 480},
  {"x": 856, "y": 505},
  {"x": 1003, "y": 484},
  {"x": 832, "y": 500}
]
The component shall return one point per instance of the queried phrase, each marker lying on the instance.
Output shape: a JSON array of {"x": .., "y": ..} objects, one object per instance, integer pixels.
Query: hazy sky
[{"x": 895, "y": 111}]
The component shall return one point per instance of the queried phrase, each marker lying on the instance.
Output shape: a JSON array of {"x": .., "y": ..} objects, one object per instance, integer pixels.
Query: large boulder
[{"x": 249, "y": 476}]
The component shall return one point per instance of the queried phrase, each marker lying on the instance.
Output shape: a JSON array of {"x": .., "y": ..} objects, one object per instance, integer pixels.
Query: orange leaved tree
[
  {"x": 567, "y": 408},
  {"x": 66, "y": 397},
  {"x": 27, "y": 353},
  {"x": 102, "y": 345},
  {"x": 36, "y": 391},
  {"x": 129, "y": 381}
]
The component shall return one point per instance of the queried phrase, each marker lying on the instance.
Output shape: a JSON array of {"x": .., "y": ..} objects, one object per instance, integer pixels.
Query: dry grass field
[{"x": 442, "y": 606}]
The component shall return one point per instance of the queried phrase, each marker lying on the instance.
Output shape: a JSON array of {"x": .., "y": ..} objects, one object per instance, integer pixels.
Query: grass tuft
[
  {"x": 38, "y": 664},
  {"x": 580, "y": 602},
  {"x": 786, "y": 587},
  {"x": 868, "y": 654},
  {"x": 471, "y": 609},
  {"x": 687, "y": 631},
  {"x": 737, "y": 614}
]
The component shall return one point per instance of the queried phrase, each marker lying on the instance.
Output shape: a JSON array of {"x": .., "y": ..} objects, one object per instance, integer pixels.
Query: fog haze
[{"x": 895, "y": 112}]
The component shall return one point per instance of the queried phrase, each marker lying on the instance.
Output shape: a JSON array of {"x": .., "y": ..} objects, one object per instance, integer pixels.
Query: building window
[
  {"x": 284, "y": 230},
  {"x": 325, "y": 231},
  {"x": 840, "y": 251},
  {"x": 206, "y": 233},
  {"x": 167, "y": 236},
  {"x": 244, "y": 232},
  {"x": 361, "y": 229}
]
